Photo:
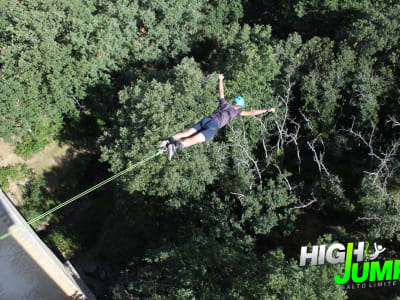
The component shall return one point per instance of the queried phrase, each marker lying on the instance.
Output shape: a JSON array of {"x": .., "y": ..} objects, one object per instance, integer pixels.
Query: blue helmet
[{"x": 239, "y": 100}]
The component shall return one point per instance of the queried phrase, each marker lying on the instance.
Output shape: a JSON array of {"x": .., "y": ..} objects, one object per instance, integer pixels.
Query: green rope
[{"x": 78, "y": 196}]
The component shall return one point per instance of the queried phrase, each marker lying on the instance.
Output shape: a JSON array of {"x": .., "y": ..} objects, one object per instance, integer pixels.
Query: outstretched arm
[
  {"x": 221, "y": 85},
  {"x": 255, "y": 112}
]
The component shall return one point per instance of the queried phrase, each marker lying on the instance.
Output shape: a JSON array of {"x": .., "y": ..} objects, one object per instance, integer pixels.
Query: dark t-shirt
[{"x": 225, "y": 113}]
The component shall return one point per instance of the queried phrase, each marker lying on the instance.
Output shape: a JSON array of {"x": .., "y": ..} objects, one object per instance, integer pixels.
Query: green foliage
[
  {"x": 248, "y": 58},
  {"x": 218, "y": 14},
  {"x": 289, "y": 54},
  {"x": 367, "y": 89},
  {"x": 307, "y": 7},
  {"x": 208, "y": 266},
  {"x": 262, "y": 208},
  {"x": 42, "y": 65},
  {"x": 165, "y": 28},
  {"x": 375, "y": 34},
  {"x": 34, "y": 142},
  {"x": 251, "y": 63},
  {"x": 52, "y": 51},
  {"x": 14, "y": 172},
  {"x": 324, "y": 81},
  {"x": 290, "y": 281},
  {"x": 151, "y": 111},
  {"x": 379, "y": 211},
  {"x": 195, "y": 227},
  {"x": 67, "y": 242},
  {"x": 37, "y": 200}
]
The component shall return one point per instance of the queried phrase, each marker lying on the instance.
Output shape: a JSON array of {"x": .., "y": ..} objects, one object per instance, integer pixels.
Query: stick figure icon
[{"x": 378, "y": 250}]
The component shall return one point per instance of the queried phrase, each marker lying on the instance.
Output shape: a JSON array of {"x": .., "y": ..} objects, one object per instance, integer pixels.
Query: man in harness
[{"x": 208, "y": 127}]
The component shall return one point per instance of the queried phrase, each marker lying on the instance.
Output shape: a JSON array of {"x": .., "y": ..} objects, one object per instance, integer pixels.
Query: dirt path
[
  {"x": 7, "y": 155},
  {"x": 39, "y": 163}
]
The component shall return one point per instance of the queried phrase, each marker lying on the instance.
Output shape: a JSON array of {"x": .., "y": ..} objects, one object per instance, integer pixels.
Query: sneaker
[
  {"x": 163, "y": 146},
  {"x": 171, "y": 151}
]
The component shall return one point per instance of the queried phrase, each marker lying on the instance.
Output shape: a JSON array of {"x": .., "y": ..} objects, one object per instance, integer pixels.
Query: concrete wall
[{"x": 28, "y": 269}]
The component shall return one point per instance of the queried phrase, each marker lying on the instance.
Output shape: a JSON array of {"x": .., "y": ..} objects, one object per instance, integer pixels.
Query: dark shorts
[{"x": 208, "y": 127}]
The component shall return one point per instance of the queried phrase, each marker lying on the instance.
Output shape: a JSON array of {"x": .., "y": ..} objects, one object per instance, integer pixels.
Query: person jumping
[{"x": 205, "y": 129}]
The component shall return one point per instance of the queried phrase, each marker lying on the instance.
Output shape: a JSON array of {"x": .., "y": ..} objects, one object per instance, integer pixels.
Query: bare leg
[
  {"x": 185, "y": 142},
  {"x": 195, "y": 139},
  {"x": 185, "y": 134}
]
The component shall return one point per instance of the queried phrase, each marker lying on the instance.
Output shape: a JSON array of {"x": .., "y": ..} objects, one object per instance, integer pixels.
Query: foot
[
  {"x": 163, "y": 146},
  {"x": 171, "y": 151}
]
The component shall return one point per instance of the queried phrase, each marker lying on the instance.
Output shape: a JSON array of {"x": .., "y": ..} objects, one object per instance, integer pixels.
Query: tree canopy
[{"x": 224, "y": 219}]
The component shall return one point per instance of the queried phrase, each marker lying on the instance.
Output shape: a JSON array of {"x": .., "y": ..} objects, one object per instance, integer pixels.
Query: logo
[{"x": 361, "y": 267}]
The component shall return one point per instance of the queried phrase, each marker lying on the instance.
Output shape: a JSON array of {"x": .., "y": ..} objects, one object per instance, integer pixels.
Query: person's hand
[
  {"x": 221, "y": 76},
  {"x": 272, "y": 109}
]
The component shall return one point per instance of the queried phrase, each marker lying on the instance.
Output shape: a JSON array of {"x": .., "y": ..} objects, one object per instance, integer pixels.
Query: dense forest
[{"x": 224, "y": 219}]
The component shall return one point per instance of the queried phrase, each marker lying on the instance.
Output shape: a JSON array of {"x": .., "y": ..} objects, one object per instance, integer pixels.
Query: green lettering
[
  {"x": 346, "y": 275},
  {"x": 377, "y": 273},
  {"x": 354, "y": 273},
  {"x": 396, "y": 269}
]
